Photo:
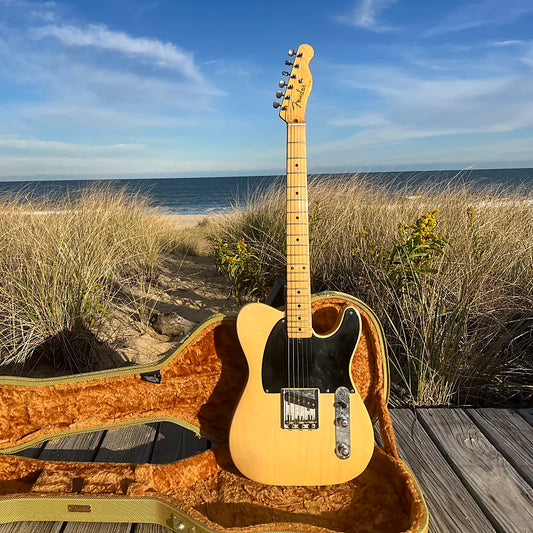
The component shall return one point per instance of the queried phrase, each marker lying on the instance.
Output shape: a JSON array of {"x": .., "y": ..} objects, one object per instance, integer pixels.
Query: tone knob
[{"x": 343, "y": 450}]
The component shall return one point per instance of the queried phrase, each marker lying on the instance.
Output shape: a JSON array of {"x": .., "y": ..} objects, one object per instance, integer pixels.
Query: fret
[{"x": 298, "y": 310}]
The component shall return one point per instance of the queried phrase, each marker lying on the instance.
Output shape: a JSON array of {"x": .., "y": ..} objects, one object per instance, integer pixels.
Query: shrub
[
  {"x": 456, "y": 300},
  {"x": 62, "y": 265}
]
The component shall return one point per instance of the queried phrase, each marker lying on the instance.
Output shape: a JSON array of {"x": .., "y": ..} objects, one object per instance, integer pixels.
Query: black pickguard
[{"x": 322, "y": 363}]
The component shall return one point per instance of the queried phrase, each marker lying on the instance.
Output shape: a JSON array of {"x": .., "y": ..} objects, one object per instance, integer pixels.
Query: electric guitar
[{"x": 300, "y": 419}]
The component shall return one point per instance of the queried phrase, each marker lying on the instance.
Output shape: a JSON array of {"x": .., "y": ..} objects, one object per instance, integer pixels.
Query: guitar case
[{"x": 196, "y": 387}]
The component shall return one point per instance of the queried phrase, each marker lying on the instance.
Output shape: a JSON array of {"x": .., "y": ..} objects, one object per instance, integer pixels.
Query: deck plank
[
  {"x": 510, "y": 434},
  {"x": 526, "y": 414},
  {"x": 504, "y": 496},
  {"x": 79, "y": 447},
  {"x": 174, "y": 442},
  {"x": 131, "y": 444},
  {"x": 450, "y": 505}
]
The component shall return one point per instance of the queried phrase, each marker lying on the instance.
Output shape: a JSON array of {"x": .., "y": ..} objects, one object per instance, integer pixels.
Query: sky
[{"x": 185, "y": 88}]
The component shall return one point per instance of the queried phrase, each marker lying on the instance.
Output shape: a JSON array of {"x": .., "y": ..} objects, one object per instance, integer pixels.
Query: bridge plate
[{"x": 299, "y": 408}]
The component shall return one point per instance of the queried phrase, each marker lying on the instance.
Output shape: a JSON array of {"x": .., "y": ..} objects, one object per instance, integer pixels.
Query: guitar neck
[{"x": 298, "y": 278}]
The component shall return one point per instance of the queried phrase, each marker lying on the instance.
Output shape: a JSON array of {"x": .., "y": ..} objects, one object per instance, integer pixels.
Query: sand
[{"x": 188, "y": 286}]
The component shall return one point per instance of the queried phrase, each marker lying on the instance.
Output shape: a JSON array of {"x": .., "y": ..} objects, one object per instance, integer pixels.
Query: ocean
[{"x": 223, "y": 194}]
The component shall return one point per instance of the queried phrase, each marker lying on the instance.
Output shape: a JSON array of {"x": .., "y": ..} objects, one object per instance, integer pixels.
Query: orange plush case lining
[{"x": 200, "y": 386}]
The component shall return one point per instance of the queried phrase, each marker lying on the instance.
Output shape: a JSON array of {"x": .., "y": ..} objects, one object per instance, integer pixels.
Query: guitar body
[{"x": 261, "y": 448}]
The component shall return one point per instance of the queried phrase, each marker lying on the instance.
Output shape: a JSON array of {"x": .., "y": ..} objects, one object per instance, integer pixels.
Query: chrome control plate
[{"x": 342, "y": 423}]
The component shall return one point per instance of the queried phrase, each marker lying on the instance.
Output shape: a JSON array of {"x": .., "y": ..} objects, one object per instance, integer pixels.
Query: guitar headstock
[{"x": 297, "y": 86}]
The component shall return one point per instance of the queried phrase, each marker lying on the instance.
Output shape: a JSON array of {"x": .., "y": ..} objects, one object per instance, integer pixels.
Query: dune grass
[
  {"x": 62, "y": 264},
  {"x": 449, "y": 271}
]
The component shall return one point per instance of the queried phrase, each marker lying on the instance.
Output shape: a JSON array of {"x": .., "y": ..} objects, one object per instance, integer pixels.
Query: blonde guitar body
[{"x": 265, "y": 451}]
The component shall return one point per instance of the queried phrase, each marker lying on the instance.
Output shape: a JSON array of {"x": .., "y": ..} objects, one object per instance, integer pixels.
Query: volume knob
[{"x": 342, "y": 422}]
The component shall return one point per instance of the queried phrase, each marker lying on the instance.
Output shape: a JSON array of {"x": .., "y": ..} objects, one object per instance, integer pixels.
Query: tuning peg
[
  {"x": 291, "y": 52},
  {"x": 275, "y": 104},
  {"x": 279, "y": 94},
  {"x": 287, "y": 62},
  {"x": 282, "y": 84},
  {"x": 285, "y": 73}
]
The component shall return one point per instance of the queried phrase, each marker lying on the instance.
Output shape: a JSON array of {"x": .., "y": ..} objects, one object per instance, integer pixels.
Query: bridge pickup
[{"x": 299, "y": 408}]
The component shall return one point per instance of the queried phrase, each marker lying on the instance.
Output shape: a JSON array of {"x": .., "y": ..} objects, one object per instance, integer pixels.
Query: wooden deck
[{"x": 475, "y": 466}]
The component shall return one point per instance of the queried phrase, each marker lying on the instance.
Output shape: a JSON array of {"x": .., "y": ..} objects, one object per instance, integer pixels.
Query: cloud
[
  {"x": 409, "y": 104},
  {"x": 165, "y": 55},
  {"x": 487, "y": 151},
  {"x": 511, "y": 42},
  {"x": 94, "y": 166},
  {"x": 527, "y": 58},
  {"x": 484, "y": 13},
  {"x": 365, "y": 14},
  {"x": 116, "y": 90},
  {"x": 55, "y": 148}
]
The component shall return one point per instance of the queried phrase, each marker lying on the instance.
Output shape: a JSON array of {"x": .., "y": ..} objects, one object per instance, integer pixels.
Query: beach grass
[
  {"x": 63, "y": 264},
  {"x": 448, "y": 270}
]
